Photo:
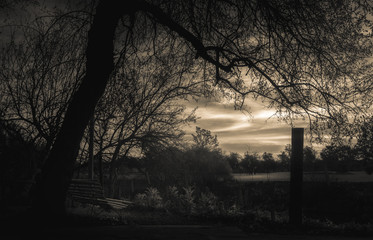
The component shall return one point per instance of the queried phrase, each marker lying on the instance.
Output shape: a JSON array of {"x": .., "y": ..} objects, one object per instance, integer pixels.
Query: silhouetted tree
[
  {"x": 41, "y": 67},
  {"x": 364, "y": 145},
  {"x": 284, "y": 161},
  {"x": 141, "y": 109},
  {"x": 301, "y": 58},
  {"x": 207, "y": 166},
  {"x": 234, "y": 161},
  {"x": 204, "y": 139},
  {"x": 309, "y": 159},
  {"x": 338, "y": 158},
  {"x": 250, "y": 163},
  {"x": 269, "y": 163},
  {"x": 200, "y": 167}
]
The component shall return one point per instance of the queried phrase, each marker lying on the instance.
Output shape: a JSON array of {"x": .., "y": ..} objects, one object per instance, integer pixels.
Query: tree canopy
[
  {"x": 305, "y": 59},
  {"x": 293, "y": 55}
]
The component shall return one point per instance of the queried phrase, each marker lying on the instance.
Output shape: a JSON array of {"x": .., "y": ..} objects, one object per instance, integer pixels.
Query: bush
[
  {"x": 195, "y": 166},
  {"x": 150, "y": 199},
  {"x": 208, "y": 204},
  {"x": 185, "y": 202},
  {"x": 178, "y": 202},
  {"x": 206, "y": 167},
  {"x": 188, "y": 200},
  {"x": 172, "y": 199}
]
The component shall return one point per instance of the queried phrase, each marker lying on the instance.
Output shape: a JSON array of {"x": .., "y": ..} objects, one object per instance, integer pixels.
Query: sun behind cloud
[{"x": 240, "y": 131}]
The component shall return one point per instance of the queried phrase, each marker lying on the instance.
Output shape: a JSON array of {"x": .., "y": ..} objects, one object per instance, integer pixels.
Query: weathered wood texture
[{"x": 91, "y": 192}]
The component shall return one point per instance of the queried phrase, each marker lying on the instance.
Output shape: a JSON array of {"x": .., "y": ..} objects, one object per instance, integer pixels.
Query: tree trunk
[{"x": 58, "y": 169}]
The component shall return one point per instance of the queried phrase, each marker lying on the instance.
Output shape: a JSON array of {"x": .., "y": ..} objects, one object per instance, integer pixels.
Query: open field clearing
[{"x": 307, "y": 176}]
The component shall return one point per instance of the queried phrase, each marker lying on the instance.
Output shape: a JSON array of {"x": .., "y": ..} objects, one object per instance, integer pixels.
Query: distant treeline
[
  {"x": 201, "y": 163},
  {"x": 341, "y": 159}
]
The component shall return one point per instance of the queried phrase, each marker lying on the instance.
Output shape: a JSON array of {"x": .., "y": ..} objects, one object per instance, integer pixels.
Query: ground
[
  {"x": 162, "y": 232},
  {"x": 94, "y": 223}
]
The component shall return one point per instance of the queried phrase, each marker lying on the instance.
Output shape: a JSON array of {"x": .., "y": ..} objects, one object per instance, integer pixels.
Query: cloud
[
  {"x": 255, "y": 130},
  {"x": 239, "y": 131}
]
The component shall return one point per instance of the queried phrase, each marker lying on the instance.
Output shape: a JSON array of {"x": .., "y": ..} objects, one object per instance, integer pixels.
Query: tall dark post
[{"x": 296, "y": 176}]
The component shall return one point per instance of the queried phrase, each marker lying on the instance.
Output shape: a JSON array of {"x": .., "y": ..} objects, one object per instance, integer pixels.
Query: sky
[{"x": 237, "y": 131}]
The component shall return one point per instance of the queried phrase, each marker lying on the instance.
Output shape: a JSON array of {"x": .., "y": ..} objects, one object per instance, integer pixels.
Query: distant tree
[
  {"x": 338, "y": 158},
  {"x": 327, "y": 155},
  {"x": 250, "y": 163},
  {"x": 364, "y": 145},
  {"x": 284, "y": 161},
  {"x": 309, "y": 159},
  {"x": 200, "y": 167},
  {"x": 269, "y": 163},
  {"x": 165, "y": 166},
  {"x": 207, "y": 166},
  {"x": 204, "y": 139},
  {"x": 284, "y": 158},
  {"x": 234, "y": 161}
]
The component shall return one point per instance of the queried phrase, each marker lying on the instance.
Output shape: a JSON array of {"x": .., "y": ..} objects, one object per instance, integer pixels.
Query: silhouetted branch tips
[{"x": 307, "y": 59}]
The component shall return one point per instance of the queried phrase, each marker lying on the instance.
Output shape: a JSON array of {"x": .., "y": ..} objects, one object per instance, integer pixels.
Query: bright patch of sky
[{"x": 237, "y": 131}]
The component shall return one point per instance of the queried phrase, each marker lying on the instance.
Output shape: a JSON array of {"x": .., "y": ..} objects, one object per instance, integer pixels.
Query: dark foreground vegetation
[
  {"x": 334, "y": 209},
  {"x": 95, "y": 89},
  {"x": 195, "y": 186}
]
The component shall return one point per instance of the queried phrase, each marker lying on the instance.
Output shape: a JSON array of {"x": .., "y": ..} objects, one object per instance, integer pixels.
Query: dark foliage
[
  {"x": 337, "y": 202},
  {"x": 20, "y": 164},
  {"x": 194, "y": 166},
  {"x": 338, "y": 158},
  {"x": 364, "y": 146}
]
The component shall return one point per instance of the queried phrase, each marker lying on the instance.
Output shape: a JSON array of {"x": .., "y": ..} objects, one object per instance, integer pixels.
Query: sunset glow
[{"x": 237, "y": 131}]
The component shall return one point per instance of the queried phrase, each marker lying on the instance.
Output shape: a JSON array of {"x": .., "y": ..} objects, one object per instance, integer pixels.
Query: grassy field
[{"x": 307, "y": 176}]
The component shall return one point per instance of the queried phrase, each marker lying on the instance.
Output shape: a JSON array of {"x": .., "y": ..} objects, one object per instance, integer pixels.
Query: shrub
[
  {"x": 208, "y": 204},
  {"x": 194, "y": 166},
  {"x": 150, "y": 199},
  {"x": 234, "y": 210},
  {"x": 188, "y": 200},
  {"x": 189, "y": 203},
  {"x": 172, "y": 199},
  {"x": 140, "y": 200}
]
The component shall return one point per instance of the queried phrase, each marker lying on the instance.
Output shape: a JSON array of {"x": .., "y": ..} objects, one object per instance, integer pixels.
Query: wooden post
[{"x": 296, "y": 176}]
